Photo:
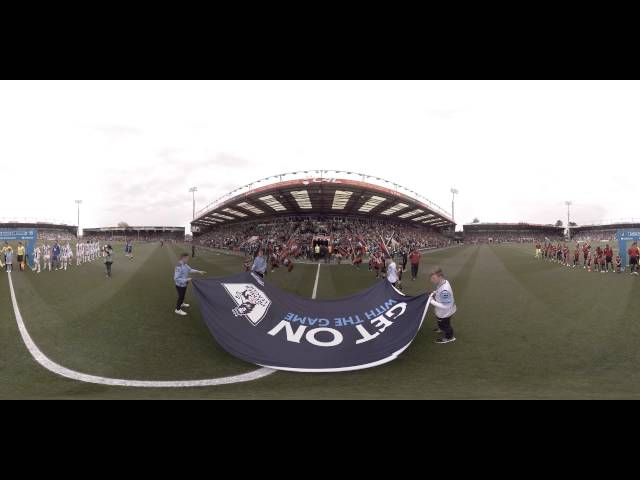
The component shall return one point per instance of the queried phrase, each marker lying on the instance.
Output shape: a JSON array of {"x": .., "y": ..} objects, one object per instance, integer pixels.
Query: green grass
[{"x": 525, "y": 329}]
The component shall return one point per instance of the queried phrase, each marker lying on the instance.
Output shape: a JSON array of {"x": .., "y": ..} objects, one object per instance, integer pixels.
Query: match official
[
  {"x": 182, "y": 279},
  {"x": 21, "y": 258}
]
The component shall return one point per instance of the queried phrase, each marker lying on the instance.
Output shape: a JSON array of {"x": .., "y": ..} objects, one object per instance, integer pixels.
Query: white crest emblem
[{"x": 252, "y": 303}]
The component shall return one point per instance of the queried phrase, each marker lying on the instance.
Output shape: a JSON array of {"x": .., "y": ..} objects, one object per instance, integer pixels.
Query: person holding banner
[
  {"x": 182, "y": 279},
  {"x": 392, "y": 273},
  {"x": 259, "y": 266},
  {"x": 444, "y": 304}
]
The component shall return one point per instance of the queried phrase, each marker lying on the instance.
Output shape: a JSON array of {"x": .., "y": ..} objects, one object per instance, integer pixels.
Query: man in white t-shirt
[
  {"x": 392, "y": 273},
  {"x": 444, "y": 304}
]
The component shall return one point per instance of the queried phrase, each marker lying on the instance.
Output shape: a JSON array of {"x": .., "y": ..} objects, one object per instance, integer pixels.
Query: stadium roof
[
  {"x": 508, "y": 226},
  {"x": 133, "y": 228},
  {"x": 623, "y": 224},
  {"x": 23, "y": 223},
  {"x": 328, "y": 195}
]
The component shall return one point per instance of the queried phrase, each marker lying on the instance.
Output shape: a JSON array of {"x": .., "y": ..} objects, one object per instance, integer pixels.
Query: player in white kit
[
  {"x": 46, "y": 253},
  {"x": 65, "y": 256},
  {"x": 37, "y": 258}
]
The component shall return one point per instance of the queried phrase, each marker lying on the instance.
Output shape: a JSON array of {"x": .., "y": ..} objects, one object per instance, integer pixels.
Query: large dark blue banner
[{"x": 264, "y": 325}]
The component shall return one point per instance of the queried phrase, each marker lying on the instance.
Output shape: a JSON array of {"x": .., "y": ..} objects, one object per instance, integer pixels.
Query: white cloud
[{"x": 131, "y": 150}]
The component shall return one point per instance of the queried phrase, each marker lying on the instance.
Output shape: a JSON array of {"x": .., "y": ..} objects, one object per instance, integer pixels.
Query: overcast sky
[{"x": 131, "y": 150}]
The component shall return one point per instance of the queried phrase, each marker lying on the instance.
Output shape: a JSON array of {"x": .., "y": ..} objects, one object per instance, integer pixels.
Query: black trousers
[
  {"x": 108, "y": 267},
  {"x": 444, "y": 324},
  {"x": 182, "y": 292},
  {"x": 414, "y": 271}
]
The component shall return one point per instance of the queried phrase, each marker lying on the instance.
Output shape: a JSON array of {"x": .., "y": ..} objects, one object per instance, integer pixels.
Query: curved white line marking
[
  {"x": 50, "y": 365},
  {"x": 315, "y": 285}
]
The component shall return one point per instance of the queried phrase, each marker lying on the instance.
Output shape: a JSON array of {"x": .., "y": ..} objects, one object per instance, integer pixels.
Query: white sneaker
[
  {"x": 444, "y": 340},
  {"x": 180, "y": 312},
  {"x": 185, "y": 305}
]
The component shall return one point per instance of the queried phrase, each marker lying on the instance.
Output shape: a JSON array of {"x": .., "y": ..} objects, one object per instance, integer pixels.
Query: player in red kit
[
  {"x": 602, "y": 262},
  {"x": 608, "y": 255},
  {"x": 585, "y": 254},
  {"x": 634, "y": 256}
]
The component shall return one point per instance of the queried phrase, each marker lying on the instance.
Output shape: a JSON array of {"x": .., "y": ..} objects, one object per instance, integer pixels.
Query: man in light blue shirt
[
  {"x": 259, "y": 264},
  {"x": 8, "y": 259},
  {"x": 182, "y": 279}
]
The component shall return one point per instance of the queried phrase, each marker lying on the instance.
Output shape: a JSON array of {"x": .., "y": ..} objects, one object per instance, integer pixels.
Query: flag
[
  {"x": 383, "y": 247},
  {"x": 261, "y": 324}
]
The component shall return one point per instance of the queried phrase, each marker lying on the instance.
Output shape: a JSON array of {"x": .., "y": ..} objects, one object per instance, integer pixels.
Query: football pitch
[{"x": 525, "y": 328}]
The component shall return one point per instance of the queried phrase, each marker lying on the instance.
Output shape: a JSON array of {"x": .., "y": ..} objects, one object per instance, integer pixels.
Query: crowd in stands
[
  {"x": 142, "y": 237},
  {"x": 337, "y": 234},
  {"x": 595, "y": 236},
  {"x": 525, "y": 236},
  {"x": 55, "y": 235}
]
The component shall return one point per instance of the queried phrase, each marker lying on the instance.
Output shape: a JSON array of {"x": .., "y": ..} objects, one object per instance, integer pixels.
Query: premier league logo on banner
[
  {"x": 287, "y": 332},
  {"x": 252, "y": 303}
]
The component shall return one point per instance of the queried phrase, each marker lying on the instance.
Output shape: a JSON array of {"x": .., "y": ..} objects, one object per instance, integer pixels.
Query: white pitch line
[
  {"x": 50, "y": 365},
  {"x": 315, "y": 285}
]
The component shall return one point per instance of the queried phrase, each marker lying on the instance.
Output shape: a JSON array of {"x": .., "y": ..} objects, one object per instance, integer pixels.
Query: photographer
[{"x": 108, "y": 259}]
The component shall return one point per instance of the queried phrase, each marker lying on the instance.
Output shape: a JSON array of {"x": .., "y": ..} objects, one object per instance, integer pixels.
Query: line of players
[
  {"x": 60, "y": 257},
  {"x": 599, "y": 260},
  {"x": 380, "y": 263}
]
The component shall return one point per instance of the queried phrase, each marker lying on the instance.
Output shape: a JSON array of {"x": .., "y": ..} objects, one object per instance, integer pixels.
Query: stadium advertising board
[
  {"x": 623, "y": 237},
  {"x": 264, "y": 325},
  {"x": 27, "y": 236}
]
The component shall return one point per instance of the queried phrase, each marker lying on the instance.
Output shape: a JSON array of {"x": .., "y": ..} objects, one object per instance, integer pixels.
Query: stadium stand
[
  {"x": 601, "y": 232},
  {"x": 46, "y": 231},
  {"x": 140, "y": 234},
  {"x": 510, "y": 233},
  {"x": 338, "y": 231},
  {"x": 336, "y": 209}
]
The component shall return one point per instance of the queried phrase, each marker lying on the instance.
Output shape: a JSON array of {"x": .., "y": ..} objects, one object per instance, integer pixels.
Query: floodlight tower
[
  {"x": 568, "y": 203},
  {"x": 193, "y": 191},
  {"x": 454, "y": 192},
  {"x": 78, "y": 202}
]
